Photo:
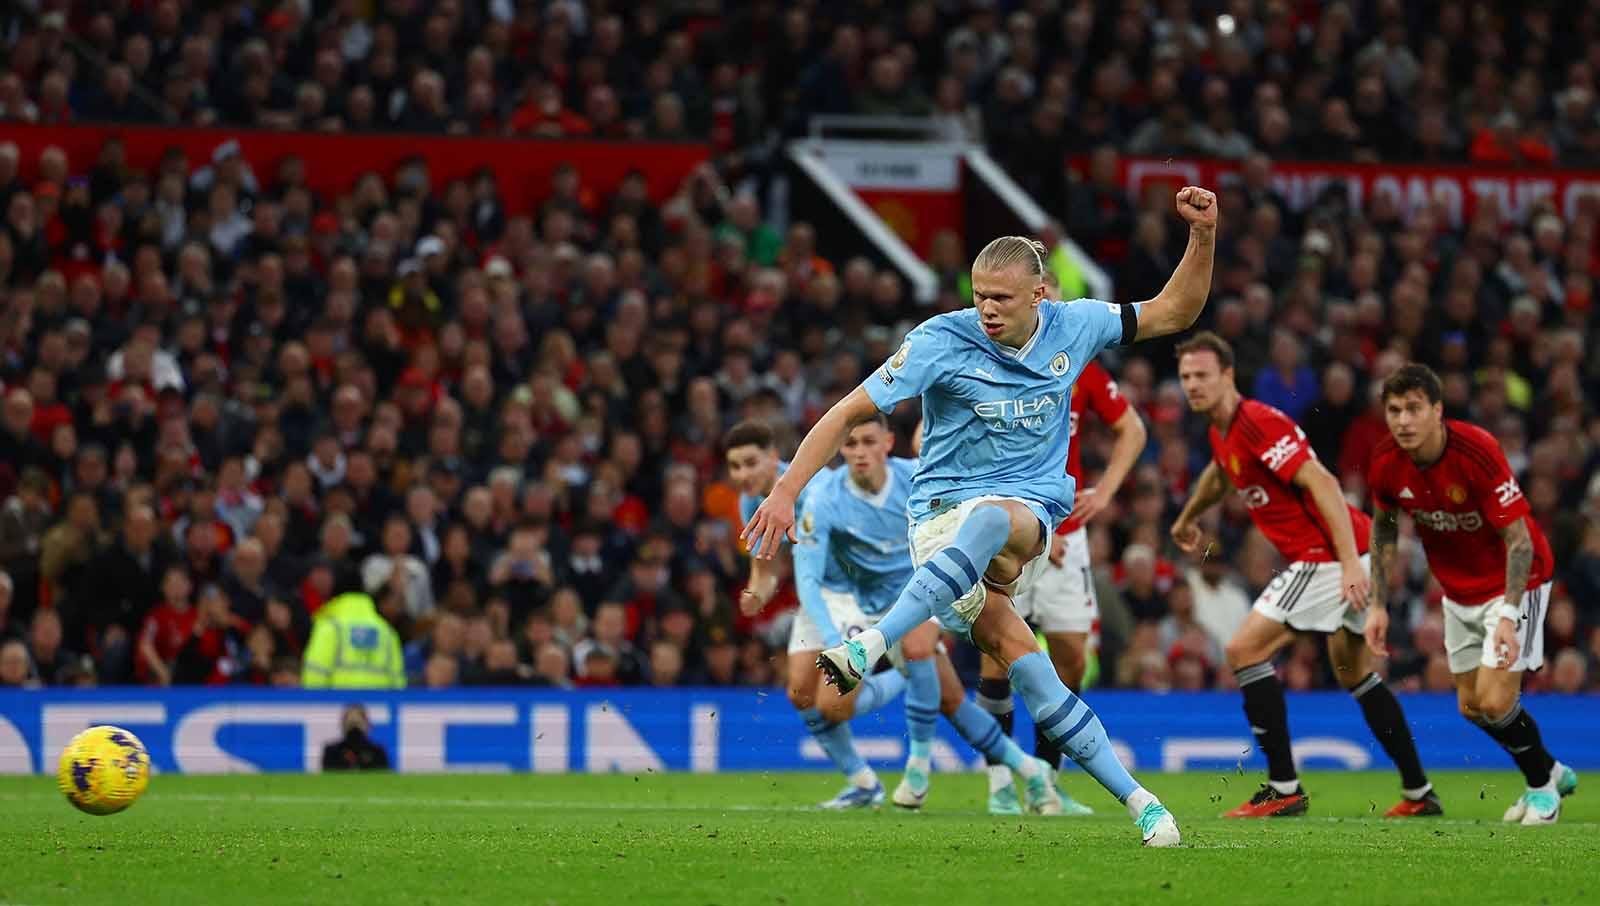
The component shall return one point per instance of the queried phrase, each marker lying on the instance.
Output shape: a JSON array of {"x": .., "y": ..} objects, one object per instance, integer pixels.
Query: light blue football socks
[
  {"x": 836, "y": 741},
  {"x": 979, "y": 728},
  {"x": 1070, "y": 723},
  {"x": 878, "y": 690}
]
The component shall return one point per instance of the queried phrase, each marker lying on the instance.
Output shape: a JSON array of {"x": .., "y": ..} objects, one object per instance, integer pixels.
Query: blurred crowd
[
  {"x": 1494, "y": 83},
  {"x": 220, "y": 385}
]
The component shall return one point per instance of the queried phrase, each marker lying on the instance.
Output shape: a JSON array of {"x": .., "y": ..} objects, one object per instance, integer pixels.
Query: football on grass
[{"x": 103, "y": 770}]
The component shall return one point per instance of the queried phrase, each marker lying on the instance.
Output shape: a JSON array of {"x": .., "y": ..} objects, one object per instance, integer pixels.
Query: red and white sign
[
  {"x": 914, "y": 189},
  {"x": 1459, "y": 189}
]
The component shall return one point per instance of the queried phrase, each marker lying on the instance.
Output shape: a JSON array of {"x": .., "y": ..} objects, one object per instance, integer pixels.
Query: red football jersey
[
  {"x": 1260, "y": 454},
  {"x": 1095, "y": 390},
  {"x": 1460, "y": 503},
  {"x": 167, "y": 628}
]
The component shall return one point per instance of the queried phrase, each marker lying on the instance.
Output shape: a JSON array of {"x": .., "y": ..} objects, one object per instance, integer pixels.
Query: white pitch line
[
  {"x": 482, "y": 803},
  {"x": 524, "y": 804},
  {"x": 1420, "y": 822},
  {"x": 422, "y": 802}
]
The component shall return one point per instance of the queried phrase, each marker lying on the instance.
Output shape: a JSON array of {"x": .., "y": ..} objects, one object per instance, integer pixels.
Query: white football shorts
[
  {"x": 1469, "y": 632},
  {"x": 1062, "y": 598},
  {"x": 848, "y": 619},
  {"x": 1310, "y": 597},
  {"x": 938, "y": 532}
]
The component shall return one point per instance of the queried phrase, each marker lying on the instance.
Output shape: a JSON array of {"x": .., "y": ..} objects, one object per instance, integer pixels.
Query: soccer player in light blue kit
[
  {"x": 850, "y": 562},
  {"x": 994, "y": 381},
  {"x": 754, "y": 467}
]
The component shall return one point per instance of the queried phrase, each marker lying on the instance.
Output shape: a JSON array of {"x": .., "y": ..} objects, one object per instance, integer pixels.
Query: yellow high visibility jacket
[
  {"x": 1068, "y": 274},
  {"x": 353, "y": 647}
]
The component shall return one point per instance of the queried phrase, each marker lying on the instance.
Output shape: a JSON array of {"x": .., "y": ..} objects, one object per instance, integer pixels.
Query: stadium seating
[{"x": 467, "y": 292}]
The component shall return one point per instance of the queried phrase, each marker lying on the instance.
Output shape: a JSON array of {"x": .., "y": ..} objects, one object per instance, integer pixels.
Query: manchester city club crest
[
  {"x": 807, "y": 523},
  {"x": 1060, "y": 364}
]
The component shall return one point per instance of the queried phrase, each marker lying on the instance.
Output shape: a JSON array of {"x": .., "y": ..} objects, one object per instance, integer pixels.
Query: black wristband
[{"x": 1130, "y": 324}]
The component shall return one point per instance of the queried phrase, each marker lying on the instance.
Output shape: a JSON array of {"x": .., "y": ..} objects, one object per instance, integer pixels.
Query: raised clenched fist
[{"x": 1197, "y": 206}]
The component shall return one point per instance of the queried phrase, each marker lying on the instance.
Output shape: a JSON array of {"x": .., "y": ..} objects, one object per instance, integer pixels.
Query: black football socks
[
  {"x": 1519, "y": 736},
  {"x": 1388, "y": 723},
  {"x": 994, "y": 696},
  {"x": 1268, "y": 714}
]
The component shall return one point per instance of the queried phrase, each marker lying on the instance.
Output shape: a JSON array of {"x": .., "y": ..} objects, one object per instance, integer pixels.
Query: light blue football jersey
[
  {"x": 749, "y": 502},
  {"x": 863, "y": 536},
  {"x": 832, "y": 578},
  {"x": 994, "y": 419}
]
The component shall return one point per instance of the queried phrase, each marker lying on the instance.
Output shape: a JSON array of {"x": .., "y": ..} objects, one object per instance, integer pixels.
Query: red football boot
[
  {"x": 1428, "y": 806},
  {"x": 1269, "y": 803}
]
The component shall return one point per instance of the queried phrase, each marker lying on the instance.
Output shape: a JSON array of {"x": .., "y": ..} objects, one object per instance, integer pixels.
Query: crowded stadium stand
[{"x": 464, "y": 294}]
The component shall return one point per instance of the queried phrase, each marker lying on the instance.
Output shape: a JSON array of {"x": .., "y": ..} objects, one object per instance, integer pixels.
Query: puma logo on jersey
[
  {"x": 982, "y": 372},
  {"x": 1443, "y": 521},
  {"x": 1280, "y": 452},
  {"x": 1507, "y": 491}
]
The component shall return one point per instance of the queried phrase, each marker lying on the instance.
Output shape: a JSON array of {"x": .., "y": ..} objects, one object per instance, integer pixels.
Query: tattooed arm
[
  {"x": 1519, "y": 562},
  {"x": 1385, "y": 539}
]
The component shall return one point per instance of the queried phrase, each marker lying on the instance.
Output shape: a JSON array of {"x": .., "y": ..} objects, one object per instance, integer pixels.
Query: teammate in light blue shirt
[
  {"x": 853, "y": 540},
  {"x": 754, "y": 467},
  {"x": 994, "y": 382},
  {"x": 831, "y": 577}
]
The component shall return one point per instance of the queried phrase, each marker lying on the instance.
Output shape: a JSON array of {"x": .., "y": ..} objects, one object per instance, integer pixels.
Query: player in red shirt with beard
[
  {"x": 1488, "y": 553},
  {"x": 1299, "y": 506}
]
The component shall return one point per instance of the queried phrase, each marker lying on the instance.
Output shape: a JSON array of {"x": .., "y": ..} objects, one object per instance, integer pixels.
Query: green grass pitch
[{"x": 735, "y": 839}]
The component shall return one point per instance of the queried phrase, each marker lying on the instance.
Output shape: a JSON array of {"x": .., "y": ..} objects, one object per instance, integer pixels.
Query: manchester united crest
[{"x": 1456, "y": 493}]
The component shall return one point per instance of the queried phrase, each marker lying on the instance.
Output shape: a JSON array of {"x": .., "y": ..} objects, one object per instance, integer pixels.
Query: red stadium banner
[
  {"x": 915, "y": 189},
  {"x": 1460, "y": 189},
  {"x": 522, "y": 166}
]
